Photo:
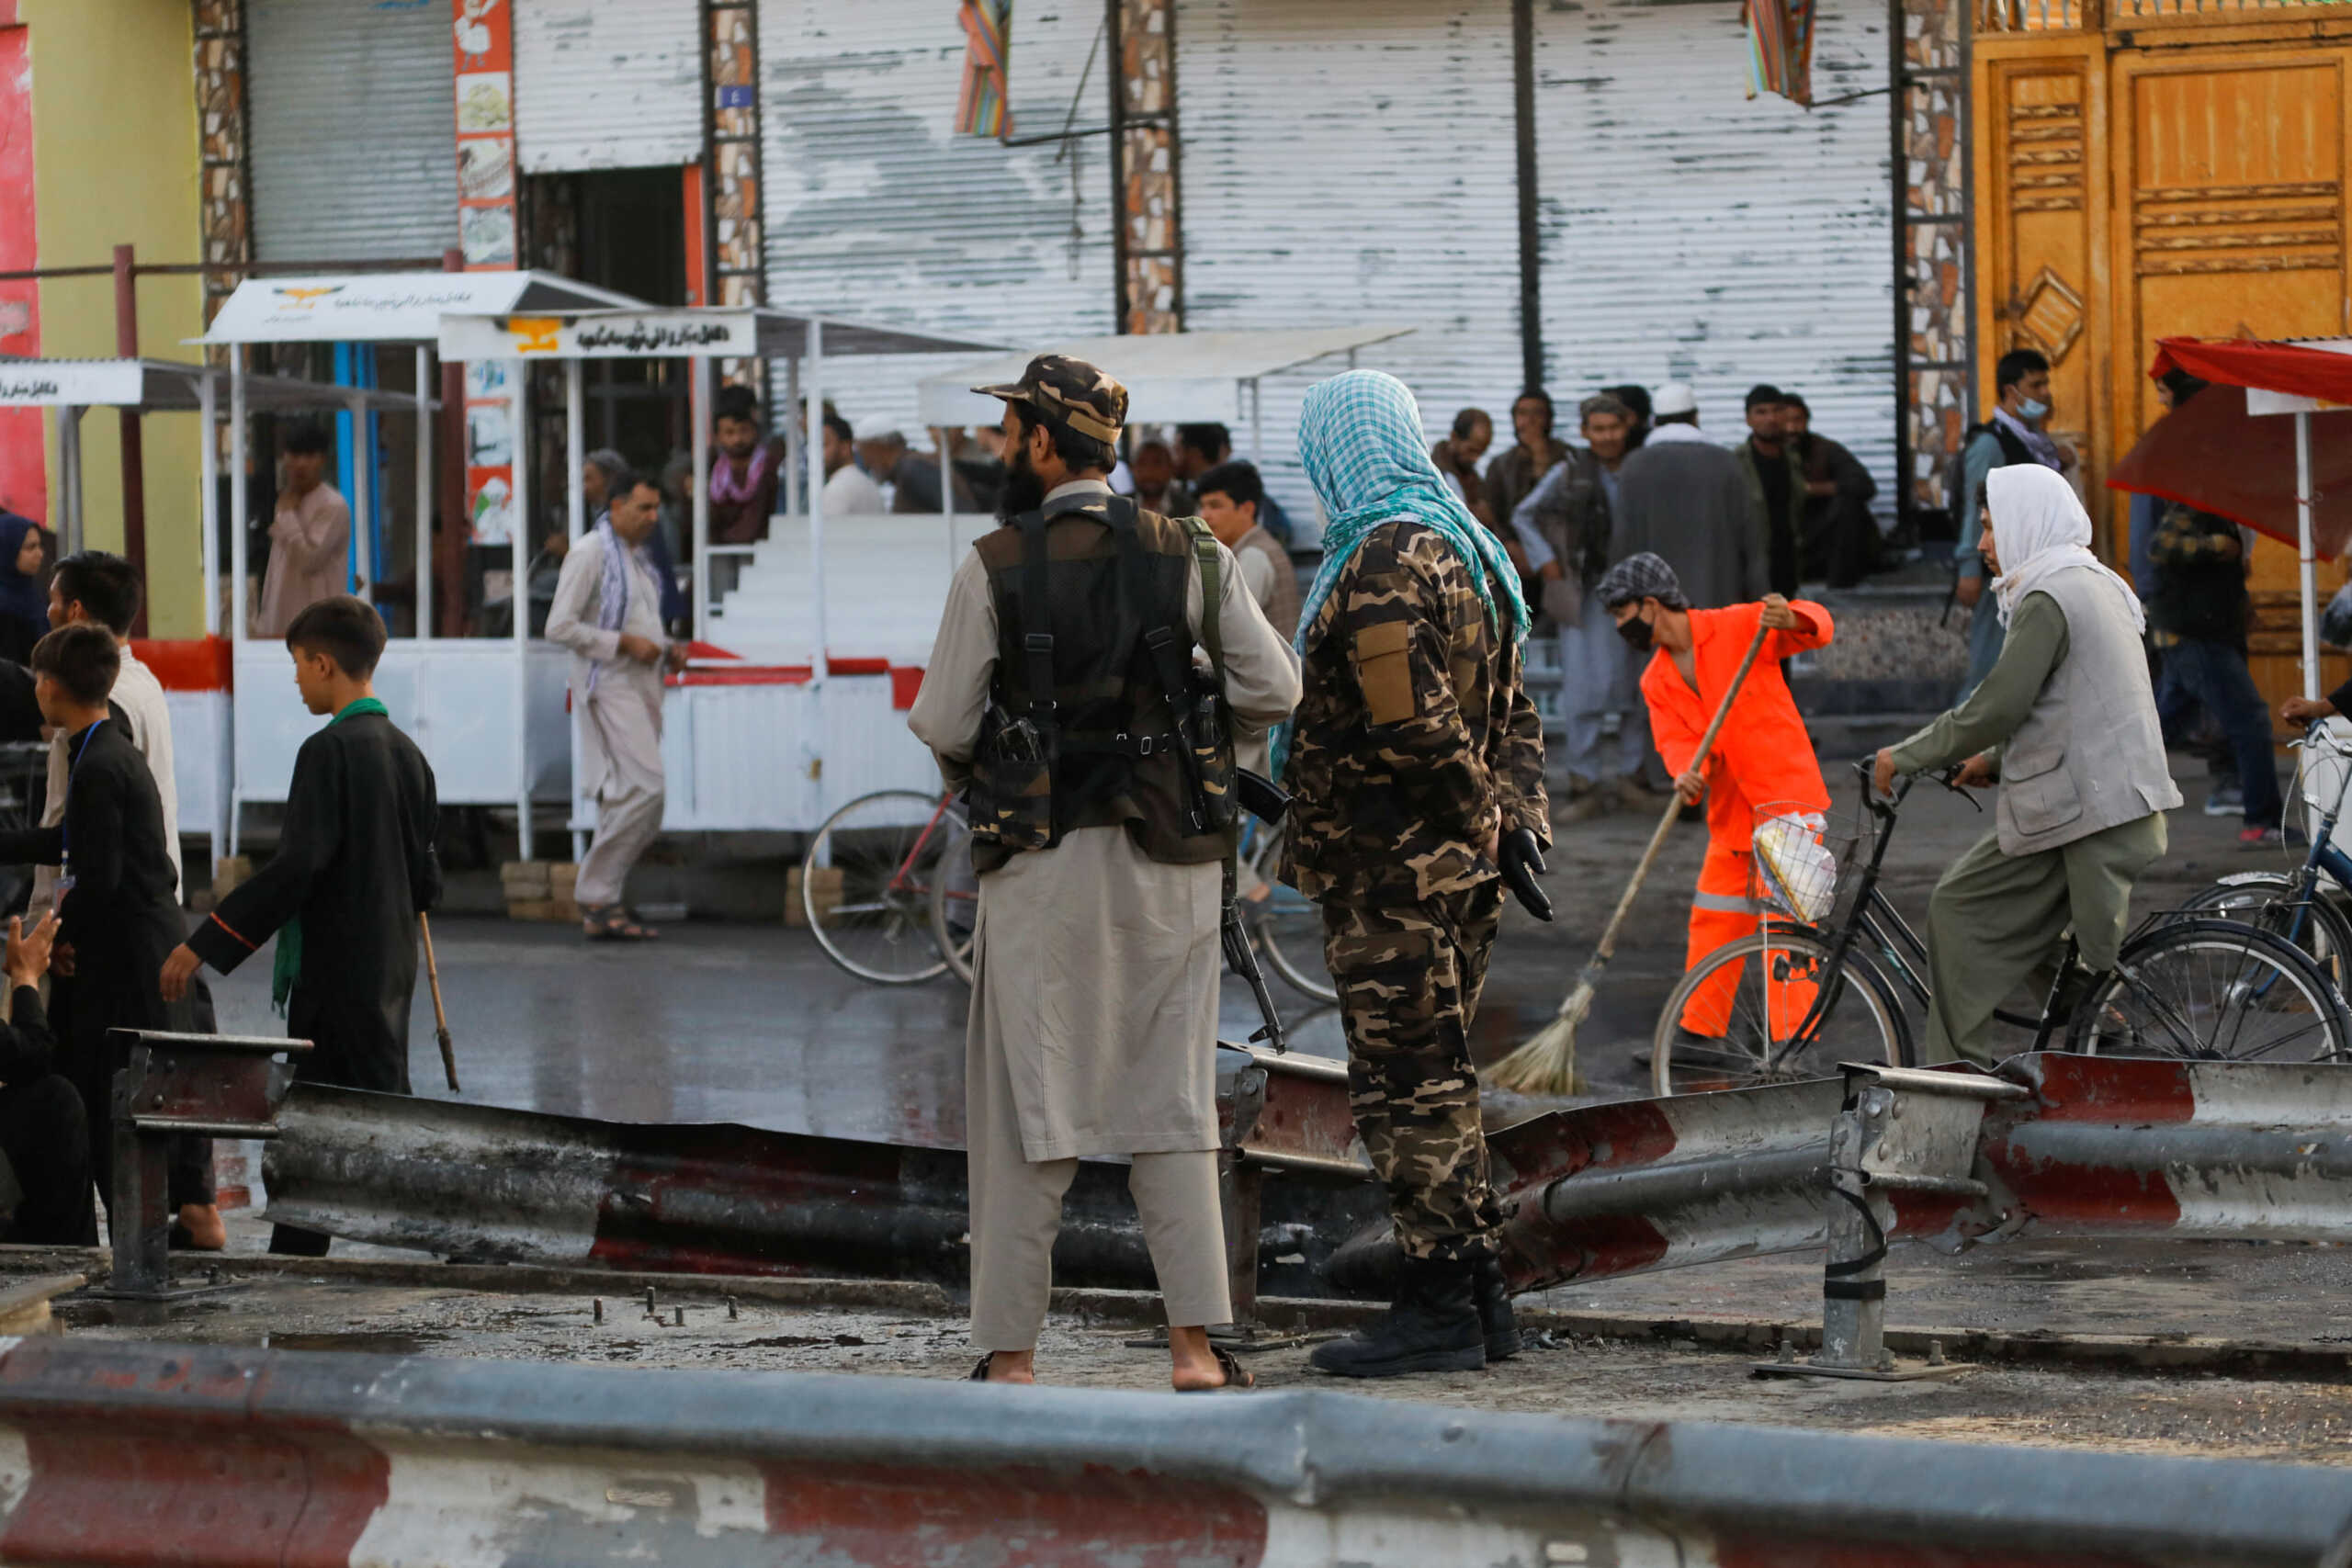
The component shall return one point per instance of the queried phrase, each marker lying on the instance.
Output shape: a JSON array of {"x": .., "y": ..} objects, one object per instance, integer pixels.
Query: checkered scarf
[{"x": 1359, "y": 435}]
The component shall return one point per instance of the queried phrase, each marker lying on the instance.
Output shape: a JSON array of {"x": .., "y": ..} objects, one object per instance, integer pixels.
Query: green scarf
[{"x": 288, "y": 967}]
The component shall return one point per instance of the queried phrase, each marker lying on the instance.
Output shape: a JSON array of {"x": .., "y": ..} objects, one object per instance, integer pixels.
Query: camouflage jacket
[{"x": 1415, "y": 738}]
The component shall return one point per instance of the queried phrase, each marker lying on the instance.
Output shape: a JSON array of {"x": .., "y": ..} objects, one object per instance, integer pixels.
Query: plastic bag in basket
[{"x": 1798, "y": 868}]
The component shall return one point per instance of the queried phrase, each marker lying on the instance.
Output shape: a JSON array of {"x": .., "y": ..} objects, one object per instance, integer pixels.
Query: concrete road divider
[{"x": 115, "y": 1453}]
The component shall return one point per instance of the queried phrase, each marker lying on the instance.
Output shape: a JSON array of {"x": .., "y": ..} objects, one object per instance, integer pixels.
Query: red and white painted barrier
[{"x": 124, "y": 1453}]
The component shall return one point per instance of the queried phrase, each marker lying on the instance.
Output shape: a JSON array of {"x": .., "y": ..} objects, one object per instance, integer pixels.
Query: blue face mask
[{"x": 2034, "y": 408}]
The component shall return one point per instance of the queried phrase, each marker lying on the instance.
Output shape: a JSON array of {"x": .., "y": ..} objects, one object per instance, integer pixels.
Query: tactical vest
[{"x": 1113, "y": 757}]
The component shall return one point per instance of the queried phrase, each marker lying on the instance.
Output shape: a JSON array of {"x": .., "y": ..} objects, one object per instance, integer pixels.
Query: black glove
[{"x": 1522, "y": 863}]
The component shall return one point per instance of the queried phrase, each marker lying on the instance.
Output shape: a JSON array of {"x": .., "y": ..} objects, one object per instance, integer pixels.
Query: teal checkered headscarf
[{"x": 1359, "y": 435}]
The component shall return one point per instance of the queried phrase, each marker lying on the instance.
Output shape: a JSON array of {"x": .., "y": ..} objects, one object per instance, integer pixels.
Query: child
[
  {"x": 117, "y": 907},
  {"x": 355, "y": 864},
  {"x": 44, "y": 1135}
]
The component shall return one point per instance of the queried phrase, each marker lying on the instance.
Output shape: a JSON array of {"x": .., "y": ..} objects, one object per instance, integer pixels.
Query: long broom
[
  {"x": 440, "y": 1015},
  {"x": 1547, "y": 1063}
]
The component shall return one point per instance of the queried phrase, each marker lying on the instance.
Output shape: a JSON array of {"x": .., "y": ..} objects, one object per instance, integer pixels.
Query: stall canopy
[
  {"x": 2243, "y": 449},
  {"x": 389, "y": 306},
  {"x": 1171, "y": 377}
]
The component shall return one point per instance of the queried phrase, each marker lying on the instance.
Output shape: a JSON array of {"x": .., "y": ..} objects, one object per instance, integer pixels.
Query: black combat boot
[
  {"x": 1433, "y": 1327},
  {"x": 1493, "y": 1296}
]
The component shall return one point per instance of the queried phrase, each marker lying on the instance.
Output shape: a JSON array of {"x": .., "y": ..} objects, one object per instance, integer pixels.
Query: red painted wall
[{"x": 24, "y": 469}]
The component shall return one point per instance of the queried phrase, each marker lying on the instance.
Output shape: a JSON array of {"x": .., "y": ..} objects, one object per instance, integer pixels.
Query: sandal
[
  {"x": 1237, "y": 1381},
  {"x": 612, "y": 923},
  {"x": 980, "y": 1372}
]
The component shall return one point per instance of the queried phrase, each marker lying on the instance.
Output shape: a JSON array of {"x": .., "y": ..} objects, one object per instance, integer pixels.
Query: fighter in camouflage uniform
[{"x": 1417, "y": 772}]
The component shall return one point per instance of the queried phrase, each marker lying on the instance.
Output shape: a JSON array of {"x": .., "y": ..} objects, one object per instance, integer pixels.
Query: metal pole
[
  {"x": 237, "y": 569},
  {"x": 948, "y": 498},
  {"x": 2310, "y": 562},
  {"x": 362, "y": 498},
  {"x": 423, "y": 613},
  {"x": 208, "y": 512},
  {"x": 135, "y": 465},
  {"x": 520, "y": 598},
  {"x": 812, "y": 439},
  {"x": 74, "y": 534},
  {"x": 1530, "y": 232},
  {"x": 1853, "y": 1305},
  {"x": 575, "y": 439},
  {"x": 700, "y": 412},
  {"x": 792, "y": 436},
  {"x": 1258, "y": 423}
]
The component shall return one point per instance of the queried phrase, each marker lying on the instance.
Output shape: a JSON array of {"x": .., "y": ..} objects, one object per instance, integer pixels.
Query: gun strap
[
  {"x": 1212, "y": 591},
  {"x": 1037, "y": 617}
]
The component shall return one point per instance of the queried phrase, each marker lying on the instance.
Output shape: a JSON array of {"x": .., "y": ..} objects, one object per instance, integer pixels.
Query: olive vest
[
  {"x": 1113, "y": 761},
  {"x": 2090, "y": 755}
]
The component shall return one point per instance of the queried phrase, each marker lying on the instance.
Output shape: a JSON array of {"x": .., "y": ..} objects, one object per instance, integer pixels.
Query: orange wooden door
[
  {"x": 2042, "y": 252},
  {"x": 2228, "y": 219}
]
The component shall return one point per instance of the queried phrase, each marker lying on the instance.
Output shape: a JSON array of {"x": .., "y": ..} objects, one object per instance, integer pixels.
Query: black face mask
[
  {"x": 1024, "y": 490},
  {"x": 1639, "y": 635}
]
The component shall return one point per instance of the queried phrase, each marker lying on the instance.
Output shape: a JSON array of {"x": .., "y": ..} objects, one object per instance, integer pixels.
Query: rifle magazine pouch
[
  {"x": 1013, "y": 792},
  {"x": 1213, "y": 748}
]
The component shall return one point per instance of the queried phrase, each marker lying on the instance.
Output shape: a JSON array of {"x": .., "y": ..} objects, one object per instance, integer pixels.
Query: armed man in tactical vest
[
  {"x": 2068, "y": 723},
  {"x": 1417, "y": 782},
  {"x": 1093, "y": 665}
]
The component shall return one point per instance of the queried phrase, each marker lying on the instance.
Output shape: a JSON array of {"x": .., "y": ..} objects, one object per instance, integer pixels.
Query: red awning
[
  {"x": 2210, "y": 454},
  {"x": 2273, "y": 367}
]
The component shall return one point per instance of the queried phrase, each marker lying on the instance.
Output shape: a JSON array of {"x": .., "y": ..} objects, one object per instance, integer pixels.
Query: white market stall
[
  {"x": 784, "y": 723},
  {"x": 194, "y": 673},
  {"x": 487, "y": 712},
  {"x": 1171, "y": 377}
]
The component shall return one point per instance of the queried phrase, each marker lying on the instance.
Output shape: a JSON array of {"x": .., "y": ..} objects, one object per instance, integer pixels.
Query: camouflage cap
[{"x": 1069, "y": 391}]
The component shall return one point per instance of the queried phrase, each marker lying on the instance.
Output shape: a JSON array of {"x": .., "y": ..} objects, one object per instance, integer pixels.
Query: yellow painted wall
[{"x": 115, "y": 162}]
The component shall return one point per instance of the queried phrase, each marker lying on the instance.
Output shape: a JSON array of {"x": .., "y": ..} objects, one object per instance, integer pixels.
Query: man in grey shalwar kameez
[
  {"x": 607, "y": 610},
  {"x": 1685, "y": 499},
  {"x": 1094, "y": 1001}
]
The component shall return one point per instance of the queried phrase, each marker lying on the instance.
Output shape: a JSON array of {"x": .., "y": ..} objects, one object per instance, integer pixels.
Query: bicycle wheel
[
  {"x": 865, "y": 887},
  {"x": 2213, "y": 991},
  {"x": 1763, "y": 988},
  {"x": 1287, "y": 928},
  {"x": 2274, "y": 901},
  {"x": 955, "y": 897}
]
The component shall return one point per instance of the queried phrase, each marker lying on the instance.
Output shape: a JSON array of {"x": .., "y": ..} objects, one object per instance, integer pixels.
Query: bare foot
[
  {"x": 1013, "y": 1365},
  {"x": 202, "y": 1223},
  {"x": 1195, "y": 1367}
]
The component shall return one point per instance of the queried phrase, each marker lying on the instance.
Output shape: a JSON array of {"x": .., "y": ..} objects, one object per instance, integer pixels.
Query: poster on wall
[{"x": 488, "y": 235}]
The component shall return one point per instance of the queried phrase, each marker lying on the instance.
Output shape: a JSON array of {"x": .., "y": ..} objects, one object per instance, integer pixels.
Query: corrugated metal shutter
[
  {"x": 1353, "y": 163},
  {"x": 606, "y": 84},
  {"x": 1694, "y": 234},
  {"x": 876, "y": 209},
  {"x": 354, "y": 114}
]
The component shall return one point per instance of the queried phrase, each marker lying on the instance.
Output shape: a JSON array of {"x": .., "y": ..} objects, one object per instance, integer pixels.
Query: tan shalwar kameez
[
  {"x": 620, "y": 719},
  {"x": 310, "y": 549},
  {"x": 1094, "y": 1002}
]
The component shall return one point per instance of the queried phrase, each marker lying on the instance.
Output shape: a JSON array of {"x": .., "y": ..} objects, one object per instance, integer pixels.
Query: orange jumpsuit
[{"x": 1762, "y": 757}]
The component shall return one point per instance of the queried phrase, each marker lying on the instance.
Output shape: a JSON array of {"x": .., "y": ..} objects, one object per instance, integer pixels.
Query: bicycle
[
  {"x": 1805, "y": 997},
  {"x": 2294, "y": 904},
  {"x": 1284, "y": 926},
  {"x": 866, "y": 885}
]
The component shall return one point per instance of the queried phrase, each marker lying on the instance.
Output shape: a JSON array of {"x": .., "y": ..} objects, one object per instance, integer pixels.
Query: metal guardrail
[
  {"x": 528, "y": 1187},
  {"x": 130, "y": 1452}
]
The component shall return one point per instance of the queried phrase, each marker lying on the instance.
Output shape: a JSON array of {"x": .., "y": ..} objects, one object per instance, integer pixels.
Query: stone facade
[
  {"x": 228, "y": 241},
  {"x": 1936, "y": 393},
  {"x": 1151, "y": 256},
  {"x": 737, "y": 259}
]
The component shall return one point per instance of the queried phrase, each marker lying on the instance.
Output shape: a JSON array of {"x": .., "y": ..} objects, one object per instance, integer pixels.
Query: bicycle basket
[{"x": 1799, "y": 861}]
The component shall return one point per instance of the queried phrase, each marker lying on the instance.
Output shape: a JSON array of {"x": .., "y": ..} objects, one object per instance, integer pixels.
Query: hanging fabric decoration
[
  {"x": 987, "y": 46},
  {"x": 1779, "y": 48}
]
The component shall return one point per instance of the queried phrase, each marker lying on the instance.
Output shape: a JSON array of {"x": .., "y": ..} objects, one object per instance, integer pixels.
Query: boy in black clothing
[
  {"x": 355, "y": 864},
  {"x": 43, "y": 1136},
  {"x": 116, "y": 905}
]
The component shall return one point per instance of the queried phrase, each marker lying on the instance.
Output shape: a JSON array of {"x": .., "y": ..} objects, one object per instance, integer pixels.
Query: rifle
[{"x": 1263, "y": 799}]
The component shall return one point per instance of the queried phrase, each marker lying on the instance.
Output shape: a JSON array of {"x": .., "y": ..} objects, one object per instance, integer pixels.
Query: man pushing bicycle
[{"x": 2066, "y": 722}]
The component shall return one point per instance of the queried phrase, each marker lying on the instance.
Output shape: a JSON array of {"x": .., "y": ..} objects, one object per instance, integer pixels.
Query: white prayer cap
[{"x": 1674, "y": 396}]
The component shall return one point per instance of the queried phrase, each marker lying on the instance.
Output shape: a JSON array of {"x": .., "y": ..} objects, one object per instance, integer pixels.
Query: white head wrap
[{"x": 2040, "y": 529}]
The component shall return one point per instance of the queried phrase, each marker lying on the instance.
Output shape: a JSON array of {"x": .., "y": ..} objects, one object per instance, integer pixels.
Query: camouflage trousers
[{"x": 1408, "y": 978}]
